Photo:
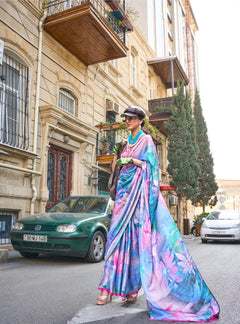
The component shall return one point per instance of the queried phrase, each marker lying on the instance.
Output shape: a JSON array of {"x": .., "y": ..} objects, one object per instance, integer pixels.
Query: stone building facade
[
  {"x": 51, "y": 101},
  {"x": 169, "y": 27}
]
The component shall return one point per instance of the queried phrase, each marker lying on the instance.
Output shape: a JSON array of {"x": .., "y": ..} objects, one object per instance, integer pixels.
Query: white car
[{"x": 221, "y": 225}]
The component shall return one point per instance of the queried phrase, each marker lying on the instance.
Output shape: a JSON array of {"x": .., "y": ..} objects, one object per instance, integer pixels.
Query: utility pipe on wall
[{"x": 35, "y": 133}]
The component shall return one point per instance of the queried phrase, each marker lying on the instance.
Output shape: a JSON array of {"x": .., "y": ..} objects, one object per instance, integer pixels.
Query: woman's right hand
[{"x": 124, "y": 161}]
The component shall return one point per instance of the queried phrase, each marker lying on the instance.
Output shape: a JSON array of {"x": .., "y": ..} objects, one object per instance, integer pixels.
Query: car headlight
[
  {"x": 18, "y": 226},
  {"x": 204, "y": 225},
  {"x": 67, "y": 228},
  {"x": 236, "y": 225}
]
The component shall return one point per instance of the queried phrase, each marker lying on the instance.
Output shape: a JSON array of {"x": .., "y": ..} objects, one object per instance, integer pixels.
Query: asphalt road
[{"x": 63, "y": 290}]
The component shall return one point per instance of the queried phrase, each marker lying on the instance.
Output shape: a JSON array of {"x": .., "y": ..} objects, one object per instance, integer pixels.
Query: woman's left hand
[{"x": 137, "y": 162}]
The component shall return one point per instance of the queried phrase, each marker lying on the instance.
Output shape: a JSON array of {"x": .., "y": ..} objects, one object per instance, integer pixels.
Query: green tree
[
  {"x": 182, "y": 148},
  {"x": 207, "y": 184},
  {"x": 193, "y": 150}
]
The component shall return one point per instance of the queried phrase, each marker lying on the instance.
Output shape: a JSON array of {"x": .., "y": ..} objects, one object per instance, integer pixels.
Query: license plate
[
  {"x": 35, "y": 238},
  {"x": 219, "y": 232}
]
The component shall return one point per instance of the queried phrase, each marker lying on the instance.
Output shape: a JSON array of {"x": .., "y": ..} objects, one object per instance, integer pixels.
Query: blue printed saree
[{"x": 145, "y": 249}]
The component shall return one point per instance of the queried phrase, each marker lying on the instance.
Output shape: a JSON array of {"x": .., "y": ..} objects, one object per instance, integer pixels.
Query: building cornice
[{"x": 33, "y": 6}]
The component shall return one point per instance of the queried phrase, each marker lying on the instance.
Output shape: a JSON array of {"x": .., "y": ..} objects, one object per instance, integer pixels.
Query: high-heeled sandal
[
  {"x": 132, "y": 298},
  {"x": 103, "y": 300}
]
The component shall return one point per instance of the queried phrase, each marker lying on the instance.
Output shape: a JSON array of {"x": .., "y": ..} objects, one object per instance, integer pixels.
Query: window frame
[
  {"x": 14, "y": 101},
  {"x": 69, "y": 96},
  {"x": 133, "y": 69}
]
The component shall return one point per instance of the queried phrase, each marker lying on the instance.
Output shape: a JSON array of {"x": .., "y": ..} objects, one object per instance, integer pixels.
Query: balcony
[
  {"x": 109, "y": 134},
  {"x": 170, "y": 70},
  {"x": 160, "y": 110},
  {"x": 160, "y": 104},
  {"x": 90, "y": 29}
]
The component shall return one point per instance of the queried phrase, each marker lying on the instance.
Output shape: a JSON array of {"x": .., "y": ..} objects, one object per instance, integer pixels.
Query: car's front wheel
[
  {"x": 97, "y": 247},
  {"x": 29, "y": 255},
  {"x": 204, "y": 241}
]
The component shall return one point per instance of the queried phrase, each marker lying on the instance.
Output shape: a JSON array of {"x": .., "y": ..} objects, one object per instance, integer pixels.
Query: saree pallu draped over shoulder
[{"x": 145, "y": 248}]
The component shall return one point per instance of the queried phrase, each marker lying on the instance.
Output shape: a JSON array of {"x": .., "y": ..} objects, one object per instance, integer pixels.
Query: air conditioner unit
[
  {"x": 112, "y": 107},
  {"x": 173, "y": 200}
]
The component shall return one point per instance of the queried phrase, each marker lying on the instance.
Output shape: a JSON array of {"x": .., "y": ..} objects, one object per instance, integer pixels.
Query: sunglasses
[{"x": 128, "y": 118}]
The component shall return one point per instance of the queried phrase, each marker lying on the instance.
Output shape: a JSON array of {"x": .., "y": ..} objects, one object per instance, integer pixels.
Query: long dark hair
[{"x": 143, "y": 121}]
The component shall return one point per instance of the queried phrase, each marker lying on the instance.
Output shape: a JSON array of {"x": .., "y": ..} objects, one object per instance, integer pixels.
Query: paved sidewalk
[
  {"x": 117, "y": 310},
  {"x": 114, "y": 310},
  {"x": 190, "y": 237},
  {"x": 3, "y": 255}
]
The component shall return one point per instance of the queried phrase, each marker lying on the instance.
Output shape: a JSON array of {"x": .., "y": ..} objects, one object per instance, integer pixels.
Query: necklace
[{"x": 134, "y": 140}]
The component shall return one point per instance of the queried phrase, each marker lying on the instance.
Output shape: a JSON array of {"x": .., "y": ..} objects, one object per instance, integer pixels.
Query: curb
[
  {"x": 3, "y": 256},
  {"x": 190, "y": 237},
  {"x": 7, "y": 247}
]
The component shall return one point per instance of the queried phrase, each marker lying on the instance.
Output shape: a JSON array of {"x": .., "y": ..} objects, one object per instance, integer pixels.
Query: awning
[{"x": 170, "y": 71}]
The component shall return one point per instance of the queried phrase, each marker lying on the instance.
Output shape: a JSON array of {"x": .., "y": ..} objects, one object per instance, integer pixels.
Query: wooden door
[{"x": 59, "y": 174}]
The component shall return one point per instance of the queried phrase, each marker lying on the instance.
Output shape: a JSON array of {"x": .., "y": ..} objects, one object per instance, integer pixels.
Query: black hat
[{"x": 133, "y": 112}]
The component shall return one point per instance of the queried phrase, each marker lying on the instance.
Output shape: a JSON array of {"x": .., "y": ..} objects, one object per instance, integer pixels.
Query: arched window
[
  {"x": 14, "y": 112},
  {"x": 67, "y": 101},
  {"x": 133, "y": 69}
]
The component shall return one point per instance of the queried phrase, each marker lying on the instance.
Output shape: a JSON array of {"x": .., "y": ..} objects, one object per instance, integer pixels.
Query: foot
[
  {"x": 103, "y": 299},
  {"x": 132, "y": 298}
]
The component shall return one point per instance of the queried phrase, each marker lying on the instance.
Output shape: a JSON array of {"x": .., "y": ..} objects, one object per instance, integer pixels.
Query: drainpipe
[
  {"x": 35, "y": 133},
  {"x": 172, "y": 77}
]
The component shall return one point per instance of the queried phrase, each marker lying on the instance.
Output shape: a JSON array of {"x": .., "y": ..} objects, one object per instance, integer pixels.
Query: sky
[{"x": 219, "y": 75}]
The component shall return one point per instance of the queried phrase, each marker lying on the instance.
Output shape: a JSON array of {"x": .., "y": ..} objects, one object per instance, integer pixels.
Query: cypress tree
[
  {"x": 182, "y": 149},
  {"x": 207, "y": 183},
  {"x": 193, "y": 150}
]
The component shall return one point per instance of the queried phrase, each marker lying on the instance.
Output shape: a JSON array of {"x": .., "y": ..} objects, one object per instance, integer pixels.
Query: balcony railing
[
  {"x": 108, "y": 136},
  {"x": 111, "y": 133},
  {"x": 87, "y": 29},
  {"x": 160, "y": 105},
  {"x": 161, "y": 110}
]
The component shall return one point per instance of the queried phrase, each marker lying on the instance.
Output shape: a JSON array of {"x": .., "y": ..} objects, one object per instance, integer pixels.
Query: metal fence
[
  {"x": 103, "y": 178},
  {"x": 7, "y": 218},
  {"x": 160, "y": 104},
  {"x": 106, "y": 139}
]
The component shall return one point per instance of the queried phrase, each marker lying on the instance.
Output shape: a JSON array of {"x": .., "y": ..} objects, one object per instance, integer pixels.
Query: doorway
[{"x": 59, "y": 174}]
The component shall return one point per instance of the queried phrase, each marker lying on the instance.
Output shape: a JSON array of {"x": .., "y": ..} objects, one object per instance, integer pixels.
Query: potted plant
[
  {"x": 104, "y": 126},
  {"x": 153, "y": 131},
  {"x": 108, "y": 126},
  {"x": 104, "y": 144},
  {"x": 198, "y": 221}
]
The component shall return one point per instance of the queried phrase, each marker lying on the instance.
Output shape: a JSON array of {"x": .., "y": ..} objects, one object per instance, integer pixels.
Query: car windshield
[
  {"x": 93, "y": 205},
  {"x": 230, "y": 215}
]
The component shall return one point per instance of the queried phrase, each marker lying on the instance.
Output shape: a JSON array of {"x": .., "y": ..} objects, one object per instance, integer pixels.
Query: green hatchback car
[{"x": 76, "y": 226}]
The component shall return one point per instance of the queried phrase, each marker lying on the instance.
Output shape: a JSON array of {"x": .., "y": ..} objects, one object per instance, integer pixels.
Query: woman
[{"x": 144, "y": 247}]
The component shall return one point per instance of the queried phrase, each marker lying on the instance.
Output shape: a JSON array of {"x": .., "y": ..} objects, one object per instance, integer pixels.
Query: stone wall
[{"x": 91, "y": 87}]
